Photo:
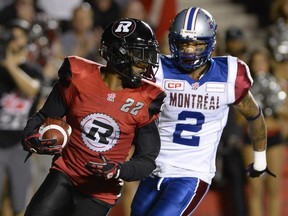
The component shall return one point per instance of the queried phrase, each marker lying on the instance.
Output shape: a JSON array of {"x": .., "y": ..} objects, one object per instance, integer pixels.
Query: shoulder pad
[{"x": 75, "y": 67}]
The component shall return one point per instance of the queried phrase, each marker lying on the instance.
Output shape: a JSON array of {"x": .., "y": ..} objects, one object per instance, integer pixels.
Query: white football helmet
[{"x": 192, "y": 24}]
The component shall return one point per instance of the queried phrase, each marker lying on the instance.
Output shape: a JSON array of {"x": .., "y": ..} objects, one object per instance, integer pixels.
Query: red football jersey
[{"x": 103, "y": 122}]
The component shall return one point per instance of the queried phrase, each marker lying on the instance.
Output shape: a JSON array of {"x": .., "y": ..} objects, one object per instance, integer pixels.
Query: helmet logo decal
[{"x": 124, "y": 28}]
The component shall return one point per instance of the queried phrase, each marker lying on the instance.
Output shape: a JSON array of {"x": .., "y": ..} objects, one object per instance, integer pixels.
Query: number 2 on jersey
[{"x": 180, "y": 128}]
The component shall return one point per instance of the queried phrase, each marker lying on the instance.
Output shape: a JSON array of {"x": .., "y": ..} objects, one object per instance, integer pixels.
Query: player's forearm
[
  {"x": 147, "y": 147},
  {"x": 137, "y": 169},
  {"x": 258, "y": 133}
]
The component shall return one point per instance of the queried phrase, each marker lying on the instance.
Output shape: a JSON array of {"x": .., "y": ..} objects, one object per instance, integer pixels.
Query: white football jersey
[{"x": 195, "y": 114}]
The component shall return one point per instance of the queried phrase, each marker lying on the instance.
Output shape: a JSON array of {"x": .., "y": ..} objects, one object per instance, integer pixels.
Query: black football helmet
[
  {"x": 127, "y": 42},
  {"x": 193, "y": 24}
]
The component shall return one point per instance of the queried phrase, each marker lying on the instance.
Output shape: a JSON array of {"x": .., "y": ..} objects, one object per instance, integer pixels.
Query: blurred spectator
[
  {"x": 270, "y": 97},
  {"x": 277, "y": 40},
  {"x": 260, "y": 8},
  {"x": 19, "y": 94},
  {"x": 122, "y": 3},
  {"x": 21, "y": 9},
  {"x": 236, "y": 43},
  {"x": 61, "y": 10},
  {"x": 44, "y": 31},
  {"x": 4, "y": 3},
  {"x": 80, "y": 39},
  {"x": 135, "y": 9},
  {"x": 41, "y": 33},
  {"x": 105, "y": 11},
  {"x": 160, "y": 15},
  {"x": 43, "y": 27}
]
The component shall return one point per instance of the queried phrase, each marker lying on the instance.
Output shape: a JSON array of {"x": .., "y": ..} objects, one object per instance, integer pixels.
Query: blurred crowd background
[{"x": 254, "y": 31}]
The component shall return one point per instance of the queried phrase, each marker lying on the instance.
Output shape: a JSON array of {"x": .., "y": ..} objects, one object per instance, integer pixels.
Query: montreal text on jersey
[{"x": 194, "y": 101}]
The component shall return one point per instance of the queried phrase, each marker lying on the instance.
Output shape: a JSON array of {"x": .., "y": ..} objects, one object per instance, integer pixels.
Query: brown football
[{"x": 55, "y": 128}]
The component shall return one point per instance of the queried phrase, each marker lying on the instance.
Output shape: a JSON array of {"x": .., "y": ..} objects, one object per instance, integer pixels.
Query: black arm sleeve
[
  {"x": 147, "y": 147},
  {"x": 54, "y": 107}
]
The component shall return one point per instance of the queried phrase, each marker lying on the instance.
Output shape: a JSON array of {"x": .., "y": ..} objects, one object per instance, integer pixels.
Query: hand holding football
[{"x": 55, "y": 128}]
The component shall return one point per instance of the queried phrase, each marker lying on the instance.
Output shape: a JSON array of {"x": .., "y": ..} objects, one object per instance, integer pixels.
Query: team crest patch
[
  {"x": 111, "y": 97},
  {"x": 195, "y": 85},
  {"x": 100, "y": 132},
  {"x": 124, "y": 28}
]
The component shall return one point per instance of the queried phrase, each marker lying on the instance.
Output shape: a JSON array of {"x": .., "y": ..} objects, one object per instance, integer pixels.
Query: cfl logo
[
  {"x": 124, "y": 28},
  {"x": 175, "y": 85}
]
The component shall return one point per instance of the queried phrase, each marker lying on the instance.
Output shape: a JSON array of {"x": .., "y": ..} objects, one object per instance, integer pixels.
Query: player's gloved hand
[
  {"x": 251, "y": 172},
  {"x": 33, "y": 144},
  {"x": 107, "y": 169}
]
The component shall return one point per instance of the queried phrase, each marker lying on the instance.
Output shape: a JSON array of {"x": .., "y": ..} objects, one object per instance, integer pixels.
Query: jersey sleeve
[
  {"x": 243, "y": 81},
  {"x": 155, "y": 97}
]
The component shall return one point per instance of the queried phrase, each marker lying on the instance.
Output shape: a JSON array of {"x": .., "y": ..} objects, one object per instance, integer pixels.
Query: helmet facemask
[
  {"x": 146, "y": 57},
  {"x": 122, "y": 57},
  {"x": 191, "y": 60}
]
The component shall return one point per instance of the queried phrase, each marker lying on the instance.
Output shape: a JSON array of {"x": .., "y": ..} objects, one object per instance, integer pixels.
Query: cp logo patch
[
  {"x": 100, "y": 132},
  {"x": 124, "y": 28}
]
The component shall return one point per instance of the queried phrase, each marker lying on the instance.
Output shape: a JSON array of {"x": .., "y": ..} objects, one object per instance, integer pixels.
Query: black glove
[
  {"x": 33, "y": 144},
  {"x": 108, "y": 169},
  {"x": 251, "y": 172}
]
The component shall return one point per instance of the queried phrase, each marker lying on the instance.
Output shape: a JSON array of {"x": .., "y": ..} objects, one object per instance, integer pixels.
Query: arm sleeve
[
  {"x": 53, "y": 107},
  {"x": 147, "y": 147}
]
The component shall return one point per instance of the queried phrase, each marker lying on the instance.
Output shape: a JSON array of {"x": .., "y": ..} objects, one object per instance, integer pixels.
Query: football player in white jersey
[{"x": 201, "y": 89}]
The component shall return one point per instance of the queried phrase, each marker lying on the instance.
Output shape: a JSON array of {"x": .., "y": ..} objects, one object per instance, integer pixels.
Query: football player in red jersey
[{"x": 109, "y": 108}]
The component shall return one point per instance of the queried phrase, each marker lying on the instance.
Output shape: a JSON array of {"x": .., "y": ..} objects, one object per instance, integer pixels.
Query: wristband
[{"x": 260, "y": 163}]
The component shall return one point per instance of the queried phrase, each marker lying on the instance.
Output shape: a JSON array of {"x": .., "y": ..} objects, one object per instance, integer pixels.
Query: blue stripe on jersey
[
  {"x": 218, "y": 71},
  {"x": 190, "y": 18}
]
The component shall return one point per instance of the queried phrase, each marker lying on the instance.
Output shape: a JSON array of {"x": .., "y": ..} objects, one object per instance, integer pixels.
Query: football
[{"x": 55, "y": 128}]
